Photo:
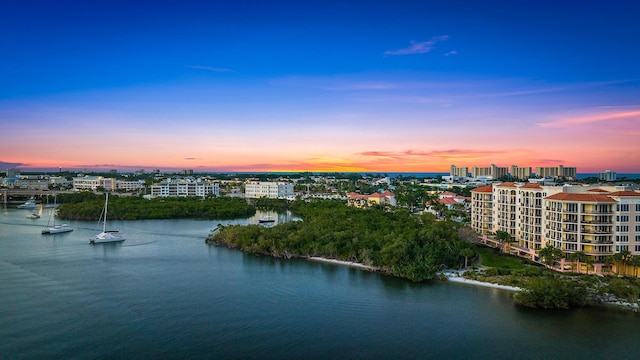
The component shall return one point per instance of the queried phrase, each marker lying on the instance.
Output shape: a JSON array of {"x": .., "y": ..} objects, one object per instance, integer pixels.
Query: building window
[
  {"x": 622, "y": 207},
  {"x": 622, "y": 238},
  {"x": 622, "y": 218}
]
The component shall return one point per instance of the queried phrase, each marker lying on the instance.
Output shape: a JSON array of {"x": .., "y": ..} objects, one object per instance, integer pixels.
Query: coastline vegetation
[
  {"x": 547, "y": 289},
  {"x": 88, "y": 206},
  {"x": 397, "y": 243}
]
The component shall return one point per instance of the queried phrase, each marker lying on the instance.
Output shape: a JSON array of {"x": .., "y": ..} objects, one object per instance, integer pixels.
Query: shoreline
[
  {"x": 451, "y": 275},
  {"x": 454, "y": 276},
  {"x": 343, "y": 263}
]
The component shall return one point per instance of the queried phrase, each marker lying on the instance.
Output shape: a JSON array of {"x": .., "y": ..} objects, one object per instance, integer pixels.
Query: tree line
[{"x": 89, "y": 206}]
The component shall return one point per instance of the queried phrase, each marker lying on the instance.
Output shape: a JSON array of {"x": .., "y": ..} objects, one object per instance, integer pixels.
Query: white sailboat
[
  {"x": 106, "y": 236},
  {"x": 55, "y": 229}
]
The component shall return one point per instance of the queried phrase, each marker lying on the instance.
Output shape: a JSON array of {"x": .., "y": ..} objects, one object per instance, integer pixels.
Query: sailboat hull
[
  {"x": 106, "y": 237},
  {"x": 57, "y": 229}
]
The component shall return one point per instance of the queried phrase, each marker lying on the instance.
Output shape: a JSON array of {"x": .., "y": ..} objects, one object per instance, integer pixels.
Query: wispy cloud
[
  {"x": 209, "y": 68},
  {"x": 418, "y": 47},
  {"x": 444, "y": 154},
  {"x": 633, "y": 115},
  {"x": 191, "y": 158},
  {"x": 451, "y": 53}
]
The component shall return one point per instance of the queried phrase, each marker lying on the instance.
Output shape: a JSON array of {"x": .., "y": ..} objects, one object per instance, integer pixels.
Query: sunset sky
[{"x": 370, "y": 86}]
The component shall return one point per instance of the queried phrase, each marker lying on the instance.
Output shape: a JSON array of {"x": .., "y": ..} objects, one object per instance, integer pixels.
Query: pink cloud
[{"x": 633, "y": 115}]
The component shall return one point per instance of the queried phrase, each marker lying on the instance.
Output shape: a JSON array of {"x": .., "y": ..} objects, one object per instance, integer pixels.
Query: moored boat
[
  {"x": 29, "y": 204},
  {"x": 106, "y": 236}
]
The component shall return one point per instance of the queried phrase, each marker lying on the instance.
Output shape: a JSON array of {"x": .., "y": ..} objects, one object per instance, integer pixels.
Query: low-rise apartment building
[
  {"x": 184, "y": 188},
  {"x": 93, "y": 183},
  {"x": 268, "y": 189}
]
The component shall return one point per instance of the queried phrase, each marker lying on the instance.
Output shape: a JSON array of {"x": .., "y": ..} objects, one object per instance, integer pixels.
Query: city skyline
[{"x": 319, "y": 86}]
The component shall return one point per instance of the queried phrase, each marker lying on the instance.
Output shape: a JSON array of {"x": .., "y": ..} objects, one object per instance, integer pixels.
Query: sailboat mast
[
  {"x": 55, "y": 201},
  {"x": 106, "y": 204}
]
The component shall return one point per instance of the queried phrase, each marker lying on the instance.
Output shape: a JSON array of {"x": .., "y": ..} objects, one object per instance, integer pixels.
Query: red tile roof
[
  {"x": 581, "y": 197},
  {"x": 624, "y": 193},
  {"x": 532, "y": 186},
  {"x": 598, "y": 190},
  {"x": 448, "y": 201},
  {"x": 484, "y": 189},
  {"x": 507, "y": 184}
]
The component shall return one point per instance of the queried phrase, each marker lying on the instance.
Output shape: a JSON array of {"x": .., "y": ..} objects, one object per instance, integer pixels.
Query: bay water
[{"x": 165, "y": 294}]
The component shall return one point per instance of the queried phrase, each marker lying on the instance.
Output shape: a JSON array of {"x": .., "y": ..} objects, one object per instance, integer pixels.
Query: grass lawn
[{"x": 494, "y": 259}]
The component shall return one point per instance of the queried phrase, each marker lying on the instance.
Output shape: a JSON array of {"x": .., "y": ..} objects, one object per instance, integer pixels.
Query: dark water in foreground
[{"x": 165, "y": 294}]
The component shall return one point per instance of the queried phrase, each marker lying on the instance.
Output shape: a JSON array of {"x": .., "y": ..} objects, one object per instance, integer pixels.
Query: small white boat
[
  {"x": 33, "y": 216},
  {"x": 266, "y": 219},
  {"x": 29, "y": 204},
  {"x": 106, "y": 236},
  {"x": 55, "y": 229}
]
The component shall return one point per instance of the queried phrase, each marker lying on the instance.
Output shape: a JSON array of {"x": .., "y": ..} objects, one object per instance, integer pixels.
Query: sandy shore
[
  {"x": 341, "y": 262},
  {"x": 456, "y": 276},
  {"x": 453, "y": 276}
]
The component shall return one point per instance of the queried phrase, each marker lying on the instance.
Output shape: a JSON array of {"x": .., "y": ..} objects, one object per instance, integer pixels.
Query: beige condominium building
[{"x": 597, "y": 221}]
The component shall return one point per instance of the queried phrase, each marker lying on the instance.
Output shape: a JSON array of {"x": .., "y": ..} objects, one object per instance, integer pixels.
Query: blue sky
[{"x": 320, "y": 85}]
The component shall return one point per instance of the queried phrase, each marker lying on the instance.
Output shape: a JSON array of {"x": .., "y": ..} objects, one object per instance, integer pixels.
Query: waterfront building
[
  {"x": 557, "y": 172},
  {"x": 129, "y": 186},
  {"x": 482, "y": 209},
  {"x": 599, "y": 221},
  {"x": 520, "y": 173},
  {"x": 607, "y": 175},
  {"x": 184, "y": 188},
  {"x": 462, "y": 172},
  {"x": 33, "y": 182},
  {"x": 493, "y": 171},
  {"x": 92, "y": 183},
  {"x": 268, "y": 189}
]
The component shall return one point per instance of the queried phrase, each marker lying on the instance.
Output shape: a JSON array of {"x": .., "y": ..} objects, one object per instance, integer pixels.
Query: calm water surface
[{"x": 165, "y": 294}]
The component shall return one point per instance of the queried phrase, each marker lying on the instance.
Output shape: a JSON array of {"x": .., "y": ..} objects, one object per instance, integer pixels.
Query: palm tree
[
  {"x": 578, "y": 257},
  {"x": 612, "y": 260},
  {"x": 550, "y": 254},
  {"x": 467, "y": 253},
  {"x": 589, "y": 261},
  {"x": 625, "y": 258},
  {"x": 504, "y": 238},
  {"x": 635, "y": 262}
]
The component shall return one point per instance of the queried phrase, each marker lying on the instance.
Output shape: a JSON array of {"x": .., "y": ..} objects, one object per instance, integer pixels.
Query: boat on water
[
  {"x": 55, "y": 228},
  {"x": 266, "y": 219},
  {"x": 29, "y": 204},
  {"x": 106, "y": 236},
  {"x": 33, "y": 216}
]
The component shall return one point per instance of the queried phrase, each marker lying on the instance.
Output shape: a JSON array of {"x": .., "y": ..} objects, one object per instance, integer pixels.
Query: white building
[
  {"x": 184, "y": 188},
  {"x": 129, "y": 185},
  {"x": 268, "y": 189},
  {"x": 93, "y": 183},
  {"x": 608, "y": 175}
]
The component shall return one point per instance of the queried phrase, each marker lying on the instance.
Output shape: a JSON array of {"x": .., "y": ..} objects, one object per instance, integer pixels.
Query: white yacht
[
  {"x": 106, "y": 236},
  {"x": 29, "y": 204}
]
